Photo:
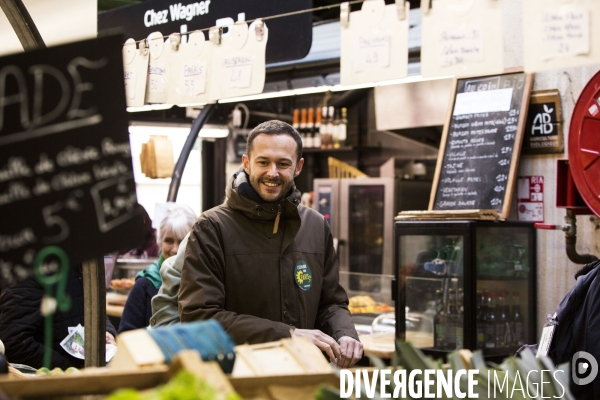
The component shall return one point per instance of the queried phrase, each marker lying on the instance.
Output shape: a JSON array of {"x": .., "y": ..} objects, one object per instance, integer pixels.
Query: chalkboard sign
[
  {"x": 481, "y": 143},
  {"x": 66, "y": 176}
]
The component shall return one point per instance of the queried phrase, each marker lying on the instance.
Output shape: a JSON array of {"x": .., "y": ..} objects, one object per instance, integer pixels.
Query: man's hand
[
  {"x": 323, "y": 342},
  {"x": 352, "y": 351},
  {"x": 110, "y": 339}
]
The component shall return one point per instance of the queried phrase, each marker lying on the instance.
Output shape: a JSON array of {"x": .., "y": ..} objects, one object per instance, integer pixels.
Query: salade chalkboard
[
  {"x": 480, "y": 147},
  {"x": 66, "y": 176}
]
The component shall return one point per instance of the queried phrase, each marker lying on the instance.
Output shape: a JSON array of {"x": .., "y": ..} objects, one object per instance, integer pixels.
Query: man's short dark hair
[{"x": 275, "y": 127}]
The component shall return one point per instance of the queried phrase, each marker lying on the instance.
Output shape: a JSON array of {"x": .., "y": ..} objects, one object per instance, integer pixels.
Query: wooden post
[{"x": 94, "y": 298}]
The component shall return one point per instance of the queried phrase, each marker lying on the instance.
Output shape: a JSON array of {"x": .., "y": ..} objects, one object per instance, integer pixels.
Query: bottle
[
  {"x": 317, "y": 129},
  {"x": 490, "y": 322},
  {"x": 343, "y": 127},
  {"x": 310, "y": 129},
  {"x": 451, "y": 320},
  {"x": 330, "y": 127},
  {"x": 324, "y": 127},
  {"x": 517, "y": 321},
  {"x": 501, "y": 321},
  {"x": 439, "y": 322},
  {"x": 303, "y": 126},
  {"x": 460, "y": 338},
  {"x": 296, "y": 120},
  {"x": 336, "y": 128},
  {"x": 480, "y": 328}
]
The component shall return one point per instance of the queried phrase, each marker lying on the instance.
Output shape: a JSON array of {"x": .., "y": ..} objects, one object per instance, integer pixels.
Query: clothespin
[
  {"x": 144, "y": 47},
  {"x": 215, "y": 34},
  {"x": 425, "y": 6},
  {"x": 175, "y": 40},
  {"x": 259, "y": 29},
  {"x": 345, "y": 14},
  {"x": 400, "y": 8}
]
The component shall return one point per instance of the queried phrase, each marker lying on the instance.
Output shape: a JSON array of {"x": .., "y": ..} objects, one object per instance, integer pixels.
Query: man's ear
[
  {"x": 246, "y": 163},
  {"x": 299, "y": 167}
]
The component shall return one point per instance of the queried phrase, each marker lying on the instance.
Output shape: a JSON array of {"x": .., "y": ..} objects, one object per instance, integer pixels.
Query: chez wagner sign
[
  {"x": 176, "y": 12},
  {"x": 137, "y": 21}
]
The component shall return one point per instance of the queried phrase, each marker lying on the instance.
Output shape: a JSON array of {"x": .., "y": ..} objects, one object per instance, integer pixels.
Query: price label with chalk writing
[
  {"x": 157, "y": 78},
  {"x": 66, "y": 176},
  {"x": 371, "y": 51},
  {"x": 193, "y": 78},
  {"x": 237, "y": 72}
]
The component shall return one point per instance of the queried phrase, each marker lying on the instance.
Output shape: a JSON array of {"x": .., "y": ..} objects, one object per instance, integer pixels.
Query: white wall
[{"x": 555, "y": 271}]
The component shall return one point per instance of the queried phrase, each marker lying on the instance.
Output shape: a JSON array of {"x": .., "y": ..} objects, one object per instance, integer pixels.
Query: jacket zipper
[{"x": 276, "y": 226}]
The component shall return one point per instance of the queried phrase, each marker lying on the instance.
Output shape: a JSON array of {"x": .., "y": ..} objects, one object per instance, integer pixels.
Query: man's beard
[{"x": 285, "y": 187}]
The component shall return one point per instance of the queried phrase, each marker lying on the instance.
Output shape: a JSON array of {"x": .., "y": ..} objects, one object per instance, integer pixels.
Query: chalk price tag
[
  {"x": 460, "y": 44},
  {"x": 238, "y": 72},
  {"x": 156, "y": 78},
  {"x": 193, "y": 78},
  {"x": 130, "y": 76},
  {"x": 371, "y": 51},
  {"x": 566, "y": 32}
]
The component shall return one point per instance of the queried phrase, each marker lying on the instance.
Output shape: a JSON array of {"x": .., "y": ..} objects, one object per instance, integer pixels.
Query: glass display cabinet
[{"x": 465, "y": 284}]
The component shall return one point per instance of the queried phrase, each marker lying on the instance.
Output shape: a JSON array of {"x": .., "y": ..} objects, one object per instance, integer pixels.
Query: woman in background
[{"x": 138, "y": 308}]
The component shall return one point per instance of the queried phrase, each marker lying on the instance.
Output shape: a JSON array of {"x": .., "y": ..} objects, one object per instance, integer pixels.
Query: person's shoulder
[
  {"x": 216, "y": 212},
  {"x": 309, "y": 213}
]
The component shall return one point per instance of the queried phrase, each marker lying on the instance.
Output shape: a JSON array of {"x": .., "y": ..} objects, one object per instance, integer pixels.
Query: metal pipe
[
  {"x": 22, "y": 24},
  {"x": 571, "y": 241},
  {"x": 187, "y": 149}
]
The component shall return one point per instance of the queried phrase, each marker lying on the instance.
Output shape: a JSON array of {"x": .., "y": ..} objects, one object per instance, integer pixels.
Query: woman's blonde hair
[{"x": 178, "y": 221}]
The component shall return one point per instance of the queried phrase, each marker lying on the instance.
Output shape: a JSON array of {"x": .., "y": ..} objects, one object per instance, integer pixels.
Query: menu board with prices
[
  {"x": 480, "y": 147},
  {"x": 66, "y": 177}
]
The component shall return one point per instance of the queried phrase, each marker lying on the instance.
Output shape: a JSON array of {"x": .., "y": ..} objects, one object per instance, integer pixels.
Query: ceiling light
[{"x": 150, "y": 107}]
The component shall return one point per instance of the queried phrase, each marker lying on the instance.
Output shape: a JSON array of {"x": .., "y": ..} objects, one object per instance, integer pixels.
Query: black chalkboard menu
[
  {"x": 480, "y": 147},
  {"x": 66, "y": 178}
]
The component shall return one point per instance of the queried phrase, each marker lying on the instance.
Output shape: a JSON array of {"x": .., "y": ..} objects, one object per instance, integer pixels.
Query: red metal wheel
[{"x": 584, "y": 144}]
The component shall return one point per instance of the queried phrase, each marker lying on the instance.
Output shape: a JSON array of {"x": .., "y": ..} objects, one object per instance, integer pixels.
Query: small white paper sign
[
  {"x": 237, "y": 72},
  {"x": 156, "y": 78},
  {"x": 193, "y": 78},
  {"x": 130, "y": 77},
  {"x": 460, "y": 44},
  {"x": 566, "y": 32},
  {"x": 371, "y": 51},
  {"x": 483, "y": 101}
]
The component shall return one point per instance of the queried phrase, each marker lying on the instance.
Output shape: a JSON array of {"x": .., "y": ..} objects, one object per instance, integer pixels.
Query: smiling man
[{"x": 262, "y": 264}]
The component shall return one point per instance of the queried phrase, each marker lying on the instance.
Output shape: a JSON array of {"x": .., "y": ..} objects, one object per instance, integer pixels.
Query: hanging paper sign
[
  {"x": 567, "y": 32},
  {"x": 374, "y": 43},
  {"x": 160, "y": 54},
  {"x": 371, "y": 51},
  {"x": 193, "y": 77},
  {"x": 239, "y": 60},
  {"x": 560, "y": 34},
  {"x": 462, "y": 38},
  {"x": 135, "y": 66},
  {"x": 188, "y": 72},
  {"x": 458, "y": 45},
  {"x": 237, "y": 72}
]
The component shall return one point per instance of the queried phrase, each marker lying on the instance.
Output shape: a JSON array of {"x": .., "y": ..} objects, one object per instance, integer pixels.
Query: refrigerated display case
[{"x": 465, "y": 284}]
